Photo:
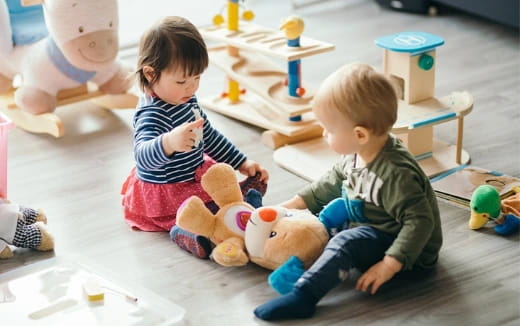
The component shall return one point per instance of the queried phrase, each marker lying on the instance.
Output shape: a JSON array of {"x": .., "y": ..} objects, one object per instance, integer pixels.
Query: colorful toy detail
[
  {"x": 283, "y": 278},
  {"x": 486, "y": 205},
  {"x": 293, "y": 28}
]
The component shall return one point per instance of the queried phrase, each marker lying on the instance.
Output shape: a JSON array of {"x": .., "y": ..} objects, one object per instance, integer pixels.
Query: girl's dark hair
[{"x": 172, "y": 43}]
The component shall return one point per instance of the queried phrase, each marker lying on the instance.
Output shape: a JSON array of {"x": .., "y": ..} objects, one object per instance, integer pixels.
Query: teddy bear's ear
[
  {"x": 27, "y": 3},
  {"x": 220, "y": 182}
]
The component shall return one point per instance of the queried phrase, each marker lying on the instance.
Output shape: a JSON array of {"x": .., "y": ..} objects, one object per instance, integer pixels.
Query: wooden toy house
[{"x": 409, "y": 60}]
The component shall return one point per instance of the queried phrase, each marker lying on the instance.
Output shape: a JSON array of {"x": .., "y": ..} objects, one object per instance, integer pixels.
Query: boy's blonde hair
[
  {"x": 172, "y": 43},
  {"x": 367, "y": 97}
]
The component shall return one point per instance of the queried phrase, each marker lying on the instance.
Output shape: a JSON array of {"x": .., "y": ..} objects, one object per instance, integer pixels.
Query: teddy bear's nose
[{"x": 267, "y": 214}]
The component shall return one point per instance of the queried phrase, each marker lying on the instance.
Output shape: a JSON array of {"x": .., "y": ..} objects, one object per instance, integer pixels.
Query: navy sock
[
  {"x": 295, "y": 304},
  {"x": 197, "y": 245},
  {"x": 253, "y": 198}
]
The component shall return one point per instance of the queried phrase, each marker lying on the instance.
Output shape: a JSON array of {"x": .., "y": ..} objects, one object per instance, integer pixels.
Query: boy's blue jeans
[{"x": 359, "y": 247}]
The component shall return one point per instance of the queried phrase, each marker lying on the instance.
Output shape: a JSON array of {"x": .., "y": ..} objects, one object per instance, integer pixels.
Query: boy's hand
[
  {"x": 250, "y": 168},
  {"x": 378, "y": 274},
  {"x": 181, "y": 138},
  {"x": 296, "y": 202}
]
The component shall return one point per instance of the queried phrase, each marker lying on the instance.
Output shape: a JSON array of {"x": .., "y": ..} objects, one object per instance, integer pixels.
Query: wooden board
[
  {"x": 252, "y": 110},
  {"x": 311, "y": 159},
  {"x": 432, "y": 111},
  {"x": 264, "y": 40}
]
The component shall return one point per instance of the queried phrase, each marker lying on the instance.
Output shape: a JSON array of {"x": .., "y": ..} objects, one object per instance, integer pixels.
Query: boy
[{"x": 394, "y": 222}]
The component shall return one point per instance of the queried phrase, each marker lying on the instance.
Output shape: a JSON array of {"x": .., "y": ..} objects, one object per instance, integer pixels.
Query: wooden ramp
[
  {"x": 311, "y": 159},
  {"x": 271, "y": 42}
]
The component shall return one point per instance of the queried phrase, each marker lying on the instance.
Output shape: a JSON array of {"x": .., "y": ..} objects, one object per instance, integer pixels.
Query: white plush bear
[{"x": 82, "y": 46}]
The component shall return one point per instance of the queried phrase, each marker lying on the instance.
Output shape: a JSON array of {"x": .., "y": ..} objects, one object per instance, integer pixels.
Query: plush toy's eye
[
  {"x": 110, "y": 24},
  {"x": 272, "y": 234},
  {"x": 80, "y": 29}
]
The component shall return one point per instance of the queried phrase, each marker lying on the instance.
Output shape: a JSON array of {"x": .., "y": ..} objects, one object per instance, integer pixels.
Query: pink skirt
[{"x": 152, "y": 206}]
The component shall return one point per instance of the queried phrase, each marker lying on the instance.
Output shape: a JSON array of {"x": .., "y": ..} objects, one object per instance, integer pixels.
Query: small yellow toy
[{"x": 93, "y": 290}]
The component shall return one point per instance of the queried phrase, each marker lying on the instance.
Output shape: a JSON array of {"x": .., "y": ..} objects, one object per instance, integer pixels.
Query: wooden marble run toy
[
  {"x": 5, "y": 125},
  {"x": 275, "y": 99},
  {"x": 409, "y": 59}
]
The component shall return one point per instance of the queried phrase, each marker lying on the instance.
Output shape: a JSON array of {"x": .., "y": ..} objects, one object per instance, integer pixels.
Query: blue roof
[{"x": 412, "y": 42}]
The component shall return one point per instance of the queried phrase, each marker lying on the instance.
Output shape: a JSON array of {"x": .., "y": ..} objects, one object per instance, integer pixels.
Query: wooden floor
[{"x": 76, "y": 179}]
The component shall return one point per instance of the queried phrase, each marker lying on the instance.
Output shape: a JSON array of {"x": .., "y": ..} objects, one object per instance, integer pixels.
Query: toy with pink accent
[
  {"x": 5, "y": 125},
  {"x": 57, "y": 52}
]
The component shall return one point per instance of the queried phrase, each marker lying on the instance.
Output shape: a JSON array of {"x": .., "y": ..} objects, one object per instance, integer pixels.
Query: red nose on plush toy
[{"x": 267, "y": 214}]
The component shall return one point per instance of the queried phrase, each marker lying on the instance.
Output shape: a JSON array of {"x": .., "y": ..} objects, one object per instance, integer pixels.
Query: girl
[{"x": 174, "y": 142}]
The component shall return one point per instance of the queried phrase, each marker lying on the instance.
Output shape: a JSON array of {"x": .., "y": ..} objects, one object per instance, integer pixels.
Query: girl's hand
[
  {"x": 250, "y": 168},
  {"x": 181, "y": 138},
  {"x": 378, "y": 274}
]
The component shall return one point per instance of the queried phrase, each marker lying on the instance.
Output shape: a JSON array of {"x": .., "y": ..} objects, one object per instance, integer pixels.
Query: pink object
[
  {"x": 153, "y": 207},
  {"x": 5, "y": 125}
]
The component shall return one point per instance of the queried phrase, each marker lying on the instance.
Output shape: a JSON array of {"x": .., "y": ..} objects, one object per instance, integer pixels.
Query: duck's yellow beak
[{"x": 477, "y": 220}]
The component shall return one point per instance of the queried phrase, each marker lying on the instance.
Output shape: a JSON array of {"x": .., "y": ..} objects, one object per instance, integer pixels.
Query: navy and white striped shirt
[{"x": 153, "y": 118}]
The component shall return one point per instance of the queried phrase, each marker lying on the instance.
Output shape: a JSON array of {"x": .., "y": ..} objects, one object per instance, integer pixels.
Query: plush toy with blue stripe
[{"x": 56, "y": 45}]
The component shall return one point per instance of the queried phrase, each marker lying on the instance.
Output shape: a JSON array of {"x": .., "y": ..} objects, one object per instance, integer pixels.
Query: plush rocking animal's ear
[{"x": 27, "y": 3}]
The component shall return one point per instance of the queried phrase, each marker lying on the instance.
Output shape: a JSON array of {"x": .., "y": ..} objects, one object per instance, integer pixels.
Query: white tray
[{"x": 51, "y": 292}]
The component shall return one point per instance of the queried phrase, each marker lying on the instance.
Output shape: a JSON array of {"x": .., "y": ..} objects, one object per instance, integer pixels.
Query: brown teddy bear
[
  {"x": 22, "y": 227},
  {"x": 267, "y": 236},
  {"x": 274, "y": 234},
  {"x": 228, "y": 224}
]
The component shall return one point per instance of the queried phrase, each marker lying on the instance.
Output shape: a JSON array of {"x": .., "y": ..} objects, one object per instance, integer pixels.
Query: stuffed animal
[
  {"x": 267, "y": 236},
  {"x": 275, "y": 234},
  {"x": 486, "y": 204},
  {"x": 82, "y": 46},
  {"x": 23, "y": 227},
  {"x": 226, "y": 228}
]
